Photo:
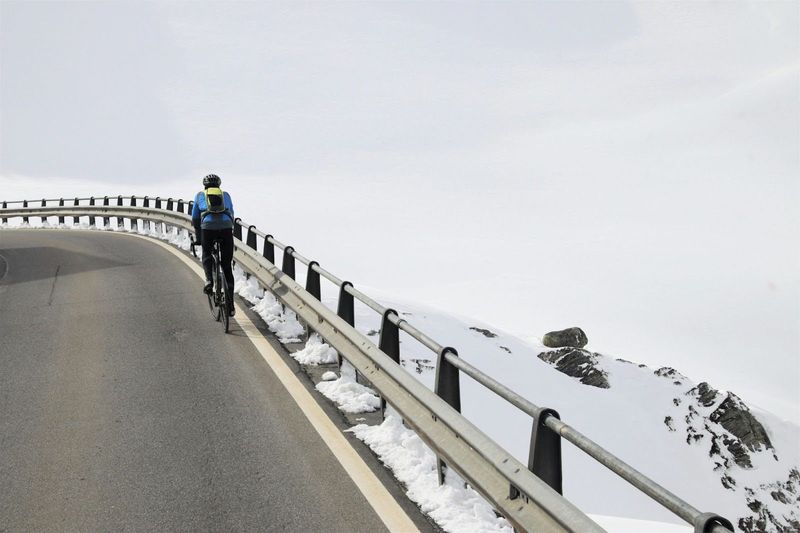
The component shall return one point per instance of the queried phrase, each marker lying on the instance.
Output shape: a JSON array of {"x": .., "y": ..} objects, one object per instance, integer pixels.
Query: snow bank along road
[{"x": 123, "y": 405}]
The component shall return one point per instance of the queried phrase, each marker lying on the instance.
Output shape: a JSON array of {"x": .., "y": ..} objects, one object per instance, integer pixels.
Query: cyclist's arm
[
  {"x": 229, "y": 205},
  {"x": 196, "y": 219}
]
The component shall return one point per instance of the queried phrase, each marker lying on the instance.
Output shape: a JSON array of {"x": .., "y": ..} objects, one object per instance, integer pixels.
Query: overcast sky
[{"x": 636, "y": 163}]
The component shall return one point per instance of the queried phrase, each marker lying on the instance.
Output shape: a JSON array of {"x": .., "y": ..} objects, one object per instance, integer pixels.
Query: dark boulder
[
  {"x": 577, "y": 363},
  {"x": 570, "y": 337}
]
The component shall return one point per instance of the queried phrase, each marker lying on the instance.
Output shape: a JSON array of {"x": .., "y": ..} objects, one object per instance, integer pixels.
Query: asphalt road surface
[{"x": 123, "y": 406}]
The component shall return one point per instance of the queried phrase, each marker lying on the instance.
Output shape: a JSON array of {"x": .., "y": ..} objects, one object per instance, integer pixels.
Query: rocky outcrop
[
  {"x": 570, "y": 337},
  {"x": 670, "y": 373},
  {"x": 485, "y": 332},
  {"x": 731, "y": 428},
  {"x": 782, "y": 514},
  {"x": 578, "y": 363},
  {"x": 736, "y": 418}
]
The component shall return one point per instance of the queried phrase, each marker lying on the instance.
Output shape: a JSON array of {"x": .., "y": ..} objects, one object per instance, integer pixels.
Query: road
[{"x": 123, "y": 406}]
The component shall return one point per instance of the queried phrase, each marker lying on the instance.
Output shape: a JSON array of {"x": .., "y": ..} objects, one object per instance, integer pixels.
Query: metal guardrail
[{"x": 529, "y": 496}]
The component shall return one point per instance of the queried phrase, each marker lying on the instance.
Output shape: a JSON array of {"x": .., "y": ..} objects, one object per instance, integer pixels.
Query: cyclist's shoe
[{"x": 208, "y": 287}]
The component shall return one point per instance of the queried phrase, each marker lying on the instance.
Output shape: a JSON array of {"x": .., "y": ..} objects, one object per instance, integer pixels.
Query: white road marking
[{"x": 384, "y": 504}]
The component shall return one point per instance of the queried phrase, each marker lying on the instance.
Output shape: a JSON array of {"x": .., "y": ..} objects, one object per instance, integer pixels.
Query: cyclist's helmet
[{"x": 212, "y": 180}]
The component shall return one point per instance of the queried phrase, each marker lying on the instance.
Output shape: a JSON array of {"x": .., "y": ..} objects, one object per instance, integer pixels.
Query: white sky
[{"x": 629, "y": 168}]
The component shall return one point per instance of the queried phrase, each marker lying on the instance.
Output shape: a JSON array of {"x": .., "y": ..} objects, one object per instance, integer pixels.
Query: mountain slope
[{"x": 706, "y": 445}]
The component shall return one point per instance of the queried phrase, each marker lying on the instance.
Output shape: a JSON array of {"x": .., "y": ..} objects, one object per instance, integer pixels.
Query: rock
[
  {"x": 579, "y": 364},
  {"x": 485, "y": 332},
  {"x": 706, "y": 395},
  {"x": 736, "y": 418},
  {"x": 762, "y": 518},
  {"x": 670, "y": 373},
  {"x": 728, "y": 482},
  {"x": 570, "y": 337},
  {"x": 505, "y": 349}
]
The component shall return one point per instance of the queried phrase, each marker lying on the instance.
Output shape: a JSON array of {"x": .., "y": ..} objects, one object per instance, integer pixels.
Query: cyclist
[{"x": 212, "y": 217}]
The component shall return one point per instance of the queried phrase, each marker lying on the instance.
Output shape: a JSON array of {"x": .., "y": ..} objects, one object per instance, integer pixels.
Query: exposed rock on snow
[
  {"x": 485, "y": 332},
  {"x": 570, "y": 337},
  {"x": 782, "y": 513},
  {"x": 578, "y": 363},
  {"x": 732, "y": 429},
  {"x": 670, "y": 373}
]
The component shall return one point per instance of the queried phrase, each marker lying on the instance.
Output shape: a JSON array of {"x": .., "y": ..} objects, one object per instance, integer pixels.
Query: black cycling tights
[{"x": 207, "y": 238}]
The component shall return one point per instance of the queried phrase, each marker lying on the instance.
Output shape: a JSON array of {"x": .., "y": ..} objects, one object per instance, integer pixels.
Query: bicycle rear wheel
[
  {"x": 226, "y": 299},
  {"x": 213, "y": 308},
  {"x": 213, "y": 298}
]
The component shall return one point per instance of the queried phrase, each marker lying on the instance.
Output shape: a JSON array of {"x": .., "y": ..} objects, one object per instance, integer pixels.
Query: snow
[
  {"x": 282, "y": 322},
  {"x": 348, "y": 394},
  {"x": 316, "y": 352},
  {"x": 453, "y": 506}
]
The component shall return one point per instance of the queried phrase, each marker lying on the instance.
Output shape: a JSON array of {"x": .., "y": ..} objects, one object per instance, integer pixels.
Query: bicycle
[{"x": 221, "y": 295}]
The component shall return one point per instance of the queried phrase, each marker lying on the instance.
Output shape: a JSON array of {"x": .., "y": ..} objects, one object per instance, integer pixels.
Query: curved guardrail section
[{"x": 529, "y": 496}]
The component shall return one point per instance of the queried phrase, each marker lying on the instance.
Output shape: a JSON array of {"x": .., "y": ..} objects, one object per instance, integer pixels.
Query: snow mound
[
  {"x": 316, "y": 352},
  {"x": 454, "y": 507},
  {"x": 348, "y": 394}
]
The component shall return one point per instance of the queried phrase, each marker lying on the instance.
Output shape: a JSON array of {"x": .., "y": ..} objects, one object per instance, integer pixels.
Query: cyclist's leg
[
  {"x": 227, "y": 257},
  {"x": 207, "y": 241}
]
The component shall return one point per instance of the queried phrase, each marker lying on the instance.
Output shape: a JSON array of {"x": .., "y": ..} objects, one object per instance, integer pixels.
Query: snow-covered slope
[{"x": 705, "y": 445}]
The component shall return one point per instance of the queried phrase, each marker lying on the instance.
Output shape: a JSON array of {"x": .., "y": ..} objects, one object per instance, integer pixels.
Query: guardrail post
[
  {"x": 158, "y": 206},
  {"x": 251, "y": 237},
  {"x": 106, "y": 220},
  {"x": 704, "y": 523},
  {"x": 288, "y": 262},
  {"x": 448, "y": 388},
  {"x": 134, "y": 221},
  {"x": 346, "y": 308},
  {"x": 180, "y": 205},
  {"x": 389, "y": 343},
  {"x": 25, "y": 204},
  {"x": 190, "y": 208},
  {"x": 146, "y": 203},
  {"x": 312, "y": 281},
  {"x": 91, "y": 217},
  {"x": 120, "y": 220},
  {"x": 313, "y": 288},
  {"x": 269, "y": 250},
  {"x": 61, "y": 204},
  {"x": 76, "y": 220},
  {"x": 237, "y": 228},
  {"x": 44, "y": 204},
  {"x": 169, "y": 204},
  {"x": 5, "y": 220},
  {"x": 544, "y": 457}
]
